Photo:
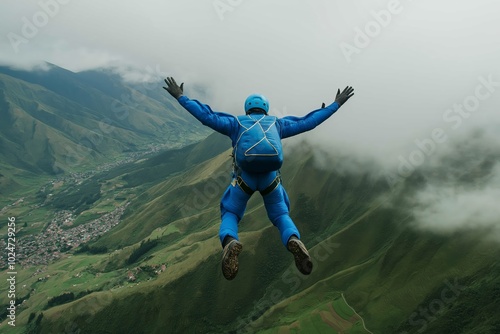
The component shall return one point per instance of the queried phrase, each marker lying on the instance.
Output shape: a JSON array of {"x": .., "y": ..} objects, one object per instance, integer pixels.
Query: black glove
[
  {"x": 341, "y": 98},
  {"x": 346, "y": 94},
  {"x": 173, "y": 88}
]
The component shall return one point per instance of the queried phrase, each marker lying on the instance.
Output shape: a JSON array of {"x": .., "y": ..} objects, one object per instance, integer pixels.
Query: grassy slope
[
  {"x": 362, "y": 249},
  {"x": 61, "y": 121}
]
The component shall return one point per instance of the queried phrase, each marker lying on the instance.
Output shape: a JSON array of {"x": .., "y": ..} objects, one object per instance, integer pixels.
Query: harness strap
[
  {"x": 272, "y": 186},
  {"x": 244, "y": 186}
]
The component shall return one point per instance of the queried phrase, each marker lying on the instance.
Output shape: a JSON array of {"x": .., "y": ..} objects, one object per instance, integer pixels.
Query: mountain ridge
[
  {"x": 56, "y": 121},
  {"x": 376, "y": 270},
  {"x": 364, "y": 250}
]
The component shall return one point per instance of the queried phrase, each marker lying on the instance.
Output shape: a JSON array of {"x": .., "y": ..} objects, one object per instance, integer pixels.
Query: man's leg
[
  {"x": 278, "y": 210},
  {"x": 232, "y": 206}
]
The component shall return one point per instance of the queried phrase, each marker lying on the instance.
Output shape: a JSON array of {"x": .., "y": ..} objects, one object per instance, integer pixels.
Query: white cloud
[
  {"x": 427, "y": 57},
  {"x": 418, "y": 64},
  {"x": 453, "y": 209},
  {"x": 462, "y": 187}
]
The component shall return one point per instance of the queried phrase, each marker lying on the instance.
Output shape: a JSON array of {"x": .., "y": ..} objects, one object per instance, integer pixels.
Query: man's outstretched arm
[
  {"x": 220, "y": 122},
  {"x": 291, "y": 125}
]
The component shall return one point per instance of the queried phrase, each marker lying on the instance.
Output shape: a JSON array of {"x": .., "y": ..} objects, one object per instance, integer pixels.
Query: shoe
[
  {"x": 301, "y": 255},
  {"x": 230, "y": 259}
]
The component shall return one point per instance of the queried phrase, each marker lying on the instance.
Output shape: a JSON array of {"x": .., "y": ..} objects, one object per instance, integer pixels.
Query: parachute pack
[{"x": 258, "y": 148}]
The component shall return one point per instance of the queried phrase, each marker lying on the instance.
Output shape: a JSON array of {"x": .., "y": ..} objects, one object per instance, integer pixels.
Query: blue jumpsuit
[{"x": 234, "y": 200}]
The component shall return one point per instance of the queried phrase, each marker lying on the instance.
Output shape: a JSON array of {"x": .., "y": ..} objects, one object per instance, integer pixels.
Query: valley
[
  {"x": 122, "y": 235},
  {"x": 155, "y": 254}
]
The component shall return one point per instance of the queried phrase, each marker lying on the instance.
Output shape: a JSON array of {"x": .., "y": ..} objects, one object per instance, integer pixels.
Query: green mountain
[
  {"x": 57, "y": 121},
  {"x": 373, "y": 272}
]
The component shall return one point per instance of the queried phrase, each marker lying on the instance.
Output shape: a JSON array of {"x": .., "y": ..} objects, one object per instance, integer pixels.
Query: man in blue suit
[{"x": 248, "y": 177}]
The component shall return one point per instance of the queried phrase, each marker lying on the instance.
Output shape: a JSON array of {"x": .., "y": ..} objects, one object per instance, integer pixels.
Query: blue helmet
[{"x": 256, "y": 101}]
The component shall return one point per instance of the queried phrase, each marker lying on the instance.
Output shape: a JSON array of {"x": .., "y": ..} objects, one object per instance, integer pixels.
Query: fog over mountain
[{"x": 426, "y": 76}]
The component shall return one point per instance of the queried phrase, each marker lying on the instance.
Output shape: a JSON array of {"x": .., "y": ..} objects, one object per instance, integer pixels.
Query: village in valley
[
  {"x": 59, "y": 240},
  {"x": 63, "y": 235},
  {"x": 49, "y": 245}
]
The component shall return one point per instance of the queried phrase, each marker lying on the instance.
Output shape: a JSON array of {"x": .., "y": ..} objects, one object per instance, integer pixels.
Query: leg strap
[
  {"x": 272, "y": 186},
  {"x": 244, "y": 186}
]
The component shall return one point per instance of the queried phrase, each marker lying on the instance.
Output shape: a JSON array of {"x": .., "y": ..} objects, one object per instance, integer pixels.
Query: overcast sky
[{"x": 412, "y": 63}]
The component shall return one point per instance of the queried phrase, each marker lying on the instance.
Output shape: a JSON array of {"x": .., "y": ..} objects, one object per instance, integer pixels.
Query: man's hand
[
  {"x": 346, "y": 94},
  {"x": 341, "y": 98},
  {"x": 173, "y": 88}
]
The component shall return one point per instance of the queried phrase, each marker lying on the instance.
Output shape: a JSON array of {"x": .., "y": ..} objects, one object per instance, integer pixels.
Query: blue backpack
[{"x": 258, "y": 147}]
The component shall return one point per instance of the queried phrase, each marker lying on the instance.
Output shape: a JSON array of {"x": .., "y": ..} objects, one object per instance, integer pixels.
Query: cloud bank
[{"x": 425, "y": 73}]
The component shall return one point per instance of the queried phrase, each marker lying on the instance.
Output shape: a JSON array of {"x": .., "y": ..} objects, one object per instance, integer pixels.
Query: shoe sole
[
  {"x": 230, "y": 259},
  {"x": 301, "y": 255}
]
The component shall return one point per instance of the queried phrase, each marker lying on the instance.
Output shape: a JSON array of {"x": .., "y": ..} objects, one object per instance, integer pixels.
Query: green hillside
[
  {"x": 373, "y": 273},
  {"x": 57, "y": 121}
]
